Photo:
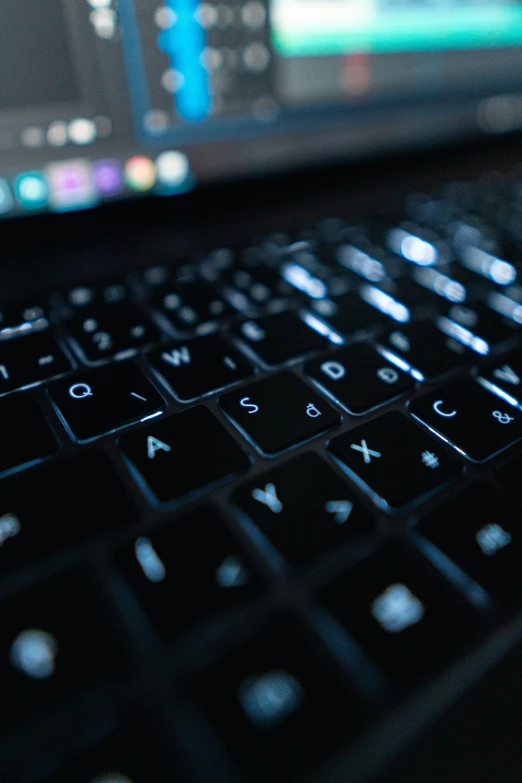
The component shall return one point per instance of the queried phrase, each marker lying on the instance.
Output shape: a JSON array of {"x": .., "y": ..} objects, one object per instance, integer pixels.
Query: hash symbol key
[{"x": 395, "y": 460}]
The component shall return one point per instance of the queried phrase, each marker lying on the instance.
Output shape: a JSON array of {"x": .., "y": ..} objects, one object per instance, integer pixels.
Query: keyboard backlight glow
[
  {"x": 300, "y": 278},
  {"x": 492, "y": 387},
  {"x": 412, "y": 248},
  {"x": 441, "y": 284},
  {"x": 361, "y": 263},
  {"x": 505, "y": 306},
  {"x": 487, "y": 265},
  {"x": 385, "y": 303},
  {"x": 149, "y": 560},
  {"x": 462, "y": 335},
  {"x": 318, "y": 326}
]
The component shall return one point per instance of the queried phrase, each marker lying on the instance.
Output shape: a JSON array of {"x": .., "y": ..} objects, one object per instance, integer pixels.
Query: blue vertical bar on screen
[
  {"x": 135, "y": 65},
  {"x": 186, "y": 45}
]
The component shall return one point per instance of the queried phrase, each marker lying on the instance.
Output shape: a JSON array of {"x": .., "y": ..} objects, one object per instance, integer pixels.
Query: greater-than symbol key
[{"x": 302, "y": 507}]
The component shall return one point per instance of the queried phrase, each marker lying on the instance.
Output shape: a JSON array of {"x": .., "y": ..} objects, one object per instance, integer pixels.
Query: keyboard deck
[{"x": 253, "y": 504}]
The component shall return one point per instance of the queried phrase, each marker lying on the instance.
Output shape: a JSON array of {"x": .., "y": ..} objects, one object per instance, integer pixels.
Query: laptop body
[{"x": 260, "y": 264}]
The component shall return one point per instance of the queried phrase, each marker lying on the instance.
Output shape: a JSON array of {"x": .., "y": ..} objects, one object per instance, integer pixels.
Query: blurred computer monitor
[{"x": 105, "y": 99}]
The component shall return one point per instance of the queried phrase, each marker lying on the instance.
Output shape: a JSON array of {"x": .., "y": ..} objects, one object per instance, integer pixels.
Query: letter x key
[{"x": 365, "y": 451}]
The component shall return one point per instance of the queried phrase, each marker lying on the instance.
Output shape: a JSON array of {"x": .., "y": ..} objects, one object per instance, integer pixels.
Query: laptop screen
[{"x": 107, "y": 99}]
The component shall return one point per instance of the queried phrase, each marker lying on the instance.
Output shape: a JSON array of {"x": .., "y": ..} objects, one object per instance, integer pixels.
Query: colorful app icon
[
  {"x": 107, "y": 177},
  {"x": 71, "y": 185},
  {"x": 173, "y": 170},
  {"x": 6, "y": 199},
  {"x": 140, "y": 173},
  {"x": 31, "y": 190}
]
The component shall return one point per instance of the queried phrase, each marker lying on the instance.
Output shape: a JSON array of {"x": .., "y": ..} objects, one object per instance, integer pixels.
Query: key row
[
  {"x": 301, "y": 508},
  {"x": 106, "y": 323},
  {"x": 203, "y": 365},
  {"x": 395, "y": 461}
]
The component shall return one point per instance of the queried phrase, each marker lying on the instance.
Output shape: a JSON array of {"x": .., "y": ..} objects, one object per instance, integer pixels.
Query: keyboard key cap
[
  {"x": 278, "y": 338},
  {"x": 187, "y": 570},
  {"x": 505, "y": 373},
  {"x": 113, "y": 330},
  {"x": 473, "y": 420},
  {"x": 426, "y": 350},
  {"x": 359, "y": 377},
  {"x": 303, "y": 508},
  {"x": 109, "y": 292},
  {"x": 189, "y": 305},
  {"x": 29, "y": 360},
  {"x": 183, "y": 454},
  {"x": 54, "y": 507},
  {"x": 257, "y": 287},
  {"x": 483, "y": 328},
  {"x": 279, "y": 412},
  {"x": 348, "y": 313},
  {"x": 481, "y": 533},
  {"x": 131, "y": 754},
  {"x": 276, "y": 703},
  {"x": 395, "y": 460},
  {"x": 200, "y": 366},
  {"x": 26, "y": 436},
  {"x": 402, "y": 612},
  {"x": 103, "y": 400},
  {"x": 54, "y": 640},
  {"x": 14, "y": 314}
]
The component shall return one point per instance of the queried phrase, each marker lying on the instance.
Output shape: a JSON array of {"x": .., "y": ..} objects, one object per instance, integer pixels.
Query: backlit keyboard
[{"x": 253, "y": 502}]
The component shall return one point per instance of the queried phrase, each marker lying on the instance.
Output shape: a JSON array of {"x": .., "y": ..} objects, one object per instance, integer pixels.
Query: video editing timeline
[{"x": 319, "y": 27}]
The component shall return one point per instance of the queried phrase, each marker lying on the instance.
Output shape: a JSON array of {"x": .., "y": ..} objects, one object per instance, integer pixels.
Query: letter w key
[
  {"x": 200, "y": 366},
  {"x": 177, "y": 357}
]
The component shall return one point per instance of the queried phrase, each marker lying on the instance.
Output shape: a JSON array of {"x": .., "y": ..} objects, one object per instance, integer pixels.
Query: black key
[
  {"x": 276, "y": 703},
  {"x": 183, "y": 454},
  {"x": 187, "y": 571},
  {"x": 14, "y": 314},
  {"x": 52, "y": 508},
  {"x": 395, "y": 460},
  {"x": 401, "y": 611},
  {"x": 132, "y": 754},
  {"x": 200, "y": 366},
  {"x": 278, "y": 338},
  {"x": 412, "y": 295},
  {"x": 189, "y": 305},
  {"x": 474, "y": 421},
  {"x": 113, "y": 330},
  {"x": 26, "y": 436},
  {"x": 509, "y": 476},
  {"x": 481, "y": 533},
  {"x": 28, "y": 360},
  {"x": 104, "y": 400},
  {"x": 505, "y": 373},
  {"x": 484, "y": 329},
  {"x": 426, "y": 350},
  {"x": 279, "y": 412},
  {"x": 54, "y": 640},
  {"x": 348, "y": 313},
  {"x": 258, "y": 287},
  {"x": 303, "y": 508},
  {"x": 359, "y": 377}
]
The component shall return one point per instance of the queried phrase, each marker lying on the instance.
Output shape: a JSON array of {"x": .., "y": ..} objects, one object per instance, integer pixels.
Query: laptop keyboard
[{"x": 251, "y": 502}]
